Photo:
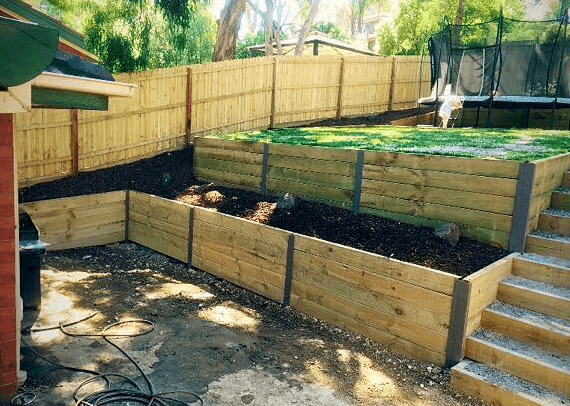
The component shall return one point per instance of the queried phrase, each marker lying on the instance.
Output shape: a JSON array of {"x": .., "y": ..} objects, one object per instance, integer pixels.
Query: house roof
[
  {"x": 70, "y": 40},
  {"x": 34, "y": 73},
  {"x": 336, "y": 45}
]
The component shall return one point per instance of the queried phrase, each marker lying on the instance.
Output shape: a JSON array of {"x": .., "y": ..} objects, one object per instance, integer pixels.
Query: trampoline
[{"x": 502, "y": 64}]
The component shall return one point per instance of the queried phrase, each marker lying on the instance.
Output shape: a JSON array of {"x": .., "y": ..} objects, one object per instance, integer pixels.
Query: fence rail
[{"x": 172, "y": 106}]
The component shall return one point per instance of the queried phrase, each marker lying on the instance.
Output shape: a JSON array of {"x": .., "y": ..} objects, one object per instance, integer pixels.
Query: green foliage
[
  {"x": 134, "y": 35},
  {"x": 242, "y": 51},
  {"x": 330, "y": 29},
  {"x": 418, "y": 19}
]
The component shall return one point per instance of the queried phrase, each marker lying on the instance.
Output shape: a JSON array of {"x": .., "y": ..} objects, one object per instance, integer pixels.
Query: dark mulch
[{"x": 170, "y": 175}]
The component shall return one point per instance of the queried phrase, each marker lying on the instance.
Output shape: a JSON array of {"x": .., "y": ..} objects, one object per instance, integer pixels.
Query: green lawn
[{"x": 508, "y": 144}]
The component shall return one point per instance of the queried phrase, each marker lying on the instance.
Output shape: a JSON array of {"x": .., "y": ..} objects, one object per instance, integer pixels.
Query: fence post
[
  {"x": 189, "y": 108},
  {"x": 273, "y": 91},
  {"x": 74, "y": 142},
  {"x": 340, "y": 89},
  {"x": 392, "y": 84}
]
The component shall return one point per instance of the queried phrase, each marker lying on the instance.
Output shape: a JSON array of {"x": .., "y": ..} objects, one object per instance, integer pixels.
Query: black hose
[{"x": 109, "y": 395}]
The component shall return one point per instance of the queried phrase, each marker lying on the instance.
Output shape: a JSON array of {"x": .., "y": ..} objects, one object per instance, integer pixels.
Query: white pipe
[{"x": 84, "y": 85}]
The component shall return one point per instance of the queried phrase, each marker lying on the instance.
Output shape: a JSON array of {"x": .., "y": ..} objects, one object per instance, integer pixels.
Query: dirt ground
[{"x": 229, "y": 345}]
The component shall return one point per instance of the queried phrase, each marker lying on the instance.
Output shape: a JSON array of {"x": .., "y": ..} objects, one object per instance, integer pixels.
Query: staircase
[
  {"x": 521, "y": 354},
  {"x": 553, "y": 235}
]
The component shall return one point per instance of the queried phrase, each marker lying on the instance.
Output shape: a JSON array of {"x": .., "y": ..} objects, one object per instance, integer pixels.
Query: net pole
[{"x": 494, "y": 87}]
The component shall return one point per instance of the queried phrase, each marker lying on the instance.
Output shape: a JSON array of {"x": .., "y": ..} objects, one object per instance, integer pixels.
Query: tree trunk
[
  {"x": 306, "y": 26},
  {"x": 269, "y": 28},
  {"x": 228, "y": 27},
  {"x": 277, "y": 36},
  {"x": 456, "y": 33}
]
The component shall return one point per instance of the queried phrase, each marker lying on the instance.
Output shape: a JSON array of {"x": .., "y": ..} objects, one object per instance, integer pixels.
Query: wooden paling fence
[
  {"x": 417, "y": 311},
  {"x": 172, "y": 106}
]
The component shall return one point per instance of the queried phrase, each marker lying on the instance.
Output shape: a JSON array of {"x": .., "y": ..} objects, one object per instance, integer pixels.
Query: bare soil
[
  {"x": 170, "y": 175},
  {"x": 229, "y": 345}
]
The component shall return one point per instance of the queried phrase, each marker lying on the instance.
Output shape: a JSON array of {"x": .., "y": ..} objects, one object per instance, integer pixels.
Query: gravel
[
  {"x": 563, "y": 190},
  {"x": 558, "y": 262},
  {"x": 537, "y": 286},
  {"x": 544, "y": 320},
  {"x": 557, "y": 360},
  {"x": 552, "y": 236},
  {"x": 557, "y": 212},
  {"x": 513, "y": 383}
]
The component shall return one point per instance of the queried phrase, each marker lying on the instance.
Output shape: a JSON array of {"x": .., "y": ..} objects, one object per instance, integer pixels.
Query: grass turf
[{"x": 507, "y": 144}]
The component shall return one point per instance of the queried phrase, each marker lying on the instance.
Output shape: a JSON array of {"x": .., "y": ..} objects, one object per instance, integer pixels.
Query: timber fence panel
[
  {"x": 366, "y": 86},
  {"x": 160, "y": 224},
  {"x": 248, "y": 254},
  {"x": 42, "y": 141},
  {"x": 405, "y": 306},
  {"x": 231, "y": 96},
  {"x": 406, "y": 82},
  {"x": 81, "y": 221},
  {"x": 306, "y": 89},
  {"x": 151, "y": 122}
]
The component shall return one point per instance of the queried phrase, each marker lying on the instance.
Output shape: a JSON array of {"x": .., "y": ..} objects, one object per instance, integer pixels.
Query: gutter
[{"x": 57, "y": 81}]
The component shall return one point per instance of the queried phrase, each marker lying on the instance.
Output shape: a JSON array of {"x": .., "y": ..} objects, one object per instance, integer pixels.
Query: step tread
[
  {"x": 550, "y": 236},
  {"x": 543, "y": 321},
  {"x": 546, "y": 260},
  {"x": 515, "y": 387},
  {"x": 538, "y": 287},
  {"x": 523, "y": 350}
]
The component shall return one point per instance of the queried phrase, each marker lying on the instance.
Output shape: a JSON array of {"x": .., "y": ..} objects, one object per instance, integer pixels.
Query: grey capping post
[
  {"x": 190, "y": 236},
  {"x": 523, "y": 197},
  {"x": 358, "y": 181},
  {"x": 289, "y": 270},
  {"x": 457, "y": 323},
  {"x": 264, "y": 168},
  {"x": 127, "y": 213}
]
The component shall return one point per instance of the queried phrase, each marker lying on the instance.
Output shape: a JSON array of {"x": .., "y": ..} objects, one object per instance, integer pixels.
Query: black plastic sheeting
[
  {"x": 69, "y": 64},
  {"x": 505, "y": 60}
]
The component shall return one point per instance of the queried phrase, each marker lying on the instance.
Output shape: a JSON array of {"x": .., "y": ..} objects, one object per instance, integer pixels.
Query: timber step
[
  {"x": 547, "y": 332},
  {"x": 548, "y": 369},
  {"x": 554, "y": 271},
  {"x": 497, "y": 387},
  {"x": 536, "y": 296},
  {"x": 555, "y": 221},
  {"x": 548, "y": 244},
  {"x": 561, "y": 199}
]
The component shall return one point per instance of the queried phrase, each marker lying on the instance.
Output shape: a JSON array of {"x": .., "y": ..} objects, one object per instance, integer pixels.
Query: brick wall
[{"x": 8, "y": 343}]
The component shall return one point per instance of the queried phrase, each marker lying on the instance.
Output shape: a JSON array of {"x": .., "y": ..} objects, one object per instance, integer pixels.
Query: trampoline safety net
[{"x": 504, "y": 61}]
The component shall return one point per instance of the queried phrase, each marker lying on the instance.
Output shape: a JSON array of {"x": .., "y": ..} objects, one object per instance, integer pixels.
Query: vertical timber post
[
  {"x": 189, "y": 108},
  {"x": 340, "y": 88},
  {"x": 316, "y": 48},
  {"x": 190, "y": 237},
  {"x": 127, "y": 213},
  {"x": 523, "y": 197},
  {"x": 358, "y": 168},
  {"x": 392, "y": 85},
  {"x": 74, "y": 143},
  {"x": 273, "y": 94},
  {"x": 264, "y": 168},
  {"x": 457, "y": 322},
  {"x": 289, "y": 270}
]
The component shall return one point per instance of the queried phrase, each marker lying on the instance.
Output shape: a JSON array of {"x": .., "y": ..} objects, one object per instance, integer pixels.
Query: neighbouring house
[{"x": 40, "y": 67}]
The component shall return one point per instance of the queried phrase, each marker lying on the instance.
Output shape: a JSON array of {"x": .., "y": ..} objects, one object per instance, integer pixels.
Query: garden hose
[{"x": 135, "y": 395}]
